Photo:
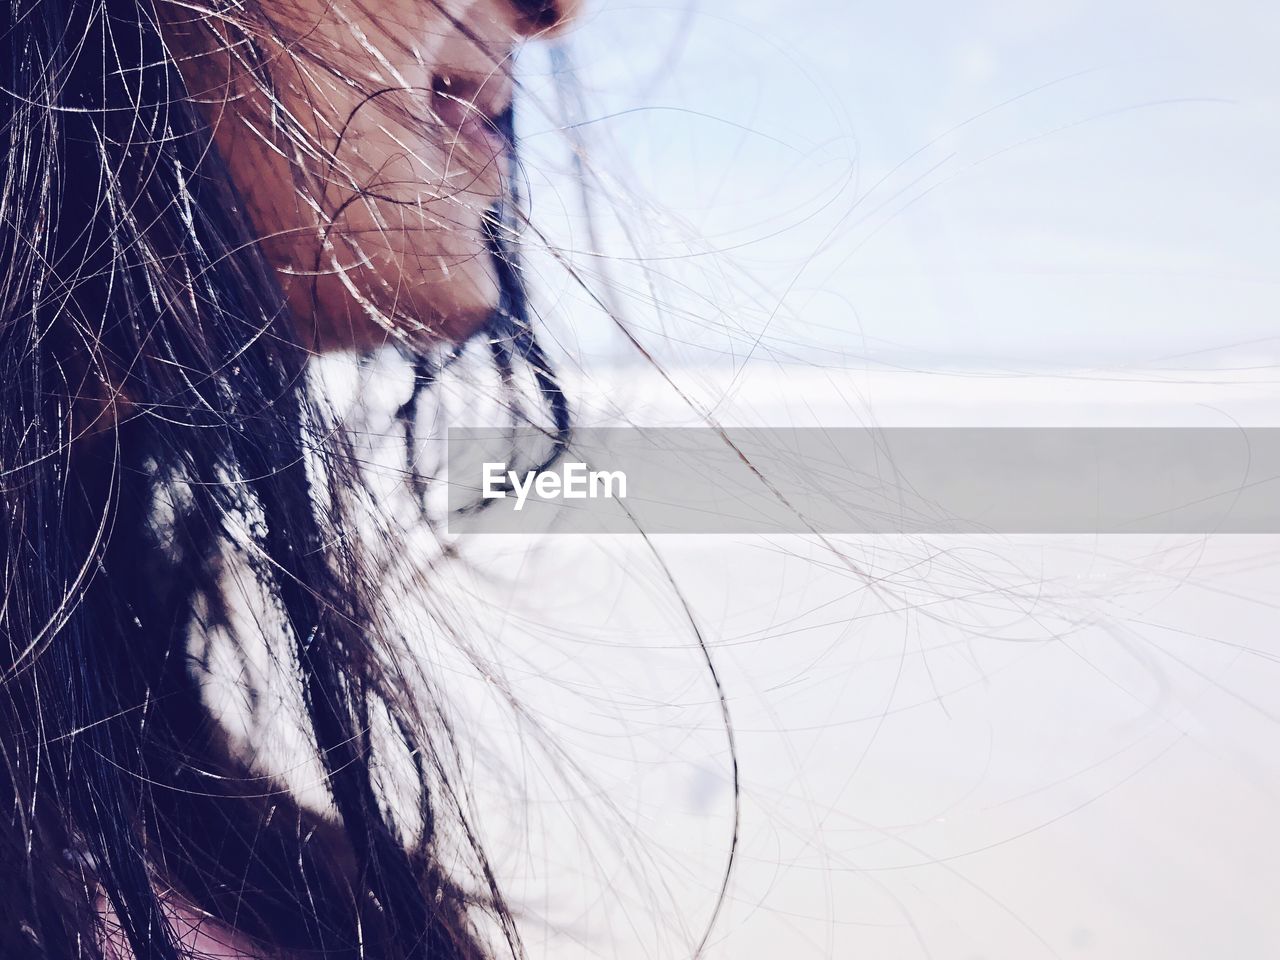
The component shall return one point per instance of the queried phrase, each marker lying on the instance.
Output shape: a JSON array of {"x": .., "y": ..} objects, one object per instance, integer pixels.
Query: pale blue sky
[{"x": 941, "y": 184}]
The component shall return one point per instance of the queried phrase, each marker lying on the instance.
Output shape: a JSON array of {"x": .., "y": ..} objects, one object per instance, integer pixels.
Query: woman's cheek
[
  {"x": 396, "y": 250},
  {"x": 395, "y": 274},
  {"x": 364, "y": 206}
]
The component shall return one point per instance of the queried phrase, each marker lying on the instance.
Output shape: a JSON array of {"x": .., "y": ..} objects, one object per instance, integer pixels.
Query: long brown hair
[{"x": 157, "y": 413}]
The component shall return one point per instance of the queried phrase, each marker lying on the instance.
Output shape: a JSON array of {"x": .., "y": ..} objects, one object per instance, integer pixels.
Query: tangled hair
[{"x": 157, "y": 413}]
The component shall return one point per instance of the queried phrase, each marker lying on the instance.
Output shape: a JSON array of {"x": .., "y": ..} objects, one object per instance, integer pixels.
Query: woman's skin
[
  {"x": 368, "y": 158},
  {"x": 360, "y": 135}
]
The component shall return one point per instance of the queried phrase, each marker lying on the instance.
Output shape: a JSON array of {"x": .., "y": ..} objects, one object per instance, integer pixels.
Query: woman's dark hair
[{"x": 156, "y": 415}]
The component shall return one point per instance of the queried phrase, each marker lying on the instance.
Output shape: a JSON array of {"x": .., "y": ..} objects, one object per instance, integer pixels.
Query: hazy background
[
  {"x": 834, "y": 213},
  {"x": 952, "y": 184}
]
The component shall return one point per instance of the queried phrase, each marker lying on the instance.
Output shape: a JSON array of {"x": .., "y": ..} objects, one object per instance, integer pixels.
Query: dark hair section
[{"x": 155, "y": 399}]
